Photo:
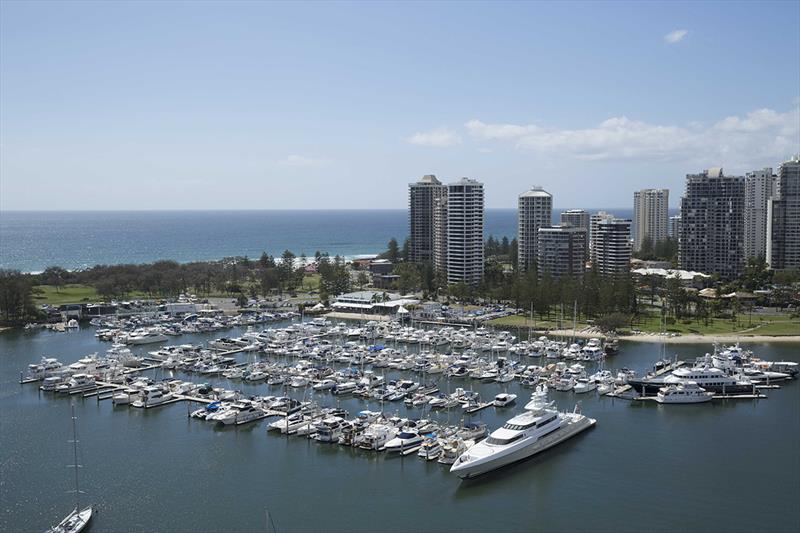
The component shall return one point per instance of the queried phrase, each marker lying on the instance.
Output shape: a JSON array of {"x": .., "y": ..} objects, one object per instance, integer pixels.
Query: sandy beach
[{"x": 731, "y": 338}]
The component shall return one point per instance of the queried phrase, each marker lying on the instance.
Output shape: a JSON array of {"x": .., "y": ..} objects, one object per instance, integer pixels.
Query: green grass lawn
[
  {"x": 68, "y": 294},
  {"x": 758, "y": 325}
]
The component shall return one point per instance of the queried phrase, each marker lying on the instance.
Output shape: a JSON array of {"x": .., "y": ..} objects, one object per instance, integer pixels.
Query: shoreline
[
  {"x": 692, "y": 338},
  {"x": 726, "y": 338}
]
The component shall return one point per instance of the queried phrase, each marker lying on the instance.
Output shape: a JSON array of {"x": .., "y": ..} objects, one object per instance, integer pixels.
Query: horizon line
[{"x": 263, "y": 209}]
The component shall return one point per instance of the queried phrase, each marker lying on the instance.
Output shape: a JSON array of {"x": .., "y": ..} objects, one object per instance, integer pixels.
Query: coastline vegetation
[{"x": 648, "y": 304}]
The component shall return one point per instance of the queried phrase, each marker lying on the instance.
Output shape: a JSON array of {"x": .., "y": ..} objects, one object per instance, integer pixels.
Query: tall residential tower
[
  {"x": 783, "y": 249},
  {"x": 422, "y": 200},
  {"x": 535, "y": 210},
  {"x": 650, "y": 217},
  {"x": 758, "y": 189},
  {"x": 712, "y": 224},
  {"x": 465, "y": 231}
]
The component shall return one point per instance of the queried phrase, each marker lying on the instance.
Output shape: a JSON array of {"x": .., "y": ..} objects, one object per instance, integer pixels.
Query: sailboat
[{"x": 79, "y": 518}]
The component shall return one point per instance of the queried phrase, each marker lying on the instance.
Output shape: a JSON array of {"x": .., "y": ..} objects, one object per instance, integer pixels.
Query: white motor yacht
[
  {"x": 325, "y": 384},
  {"x": 430, "y": 450},
  {"x": 329, "y": 429},
  {"x": 504, "y": 399},
  {"x": 151, "y": 397},
  {"x": 145, "y": 337},
  {"x": 77, "y": 383},
  {"x": 688, "y": 392},
  {"x": 376, "y": 436},
  {"x": 537, "y": 429},
  {"x": 584, "y": 385},
  {"x": 405, "y": 440}
]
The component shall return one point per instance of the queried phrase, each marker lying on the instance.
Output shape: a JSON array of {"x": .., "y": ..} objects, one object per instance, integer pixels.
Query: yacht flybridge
[{"x": 538, "y": 428}]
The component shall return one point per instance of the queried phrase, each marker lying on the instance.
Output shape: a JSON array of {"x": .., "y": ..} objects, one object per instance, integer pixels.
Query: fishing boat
[{"x": 79, "y": 518}]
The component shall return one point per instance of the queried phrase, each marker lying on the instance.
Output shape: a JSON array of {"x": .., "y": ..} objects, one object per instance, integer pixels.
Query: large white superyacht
[{"x": 538, "y": 428}]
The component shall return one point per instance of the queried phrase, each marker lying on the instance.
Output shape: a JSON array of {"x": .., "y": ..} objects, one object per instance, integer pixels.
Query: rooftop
[{"x": 535, "y": 191}]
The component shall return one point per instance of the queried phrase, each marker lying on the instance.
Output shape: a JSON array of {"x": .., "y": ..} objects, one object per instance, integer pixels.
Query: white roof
[
  {"x": 535, "y": 191},
  {"x": 685, "y": 275}
]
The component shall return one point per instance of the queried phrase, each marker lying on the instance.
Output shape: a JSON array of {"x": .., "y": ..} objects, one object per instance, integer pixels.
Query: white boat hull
[{"x": 475, "y": 468}]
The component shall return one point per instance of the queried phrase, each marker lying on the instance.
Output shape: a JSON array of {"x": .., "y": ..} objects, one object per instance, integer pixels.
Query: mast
[{"x": 75, "y": 456}]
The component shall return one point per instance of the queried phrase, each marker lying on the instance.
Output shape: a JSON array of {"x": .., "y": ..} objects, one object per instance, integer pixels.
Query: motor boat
[
  {"x": 77, "y": 383},
  {"x": 325, "y": 384},
  {"x": 584, "y": 385},
  {"x": 329, "y": 429},
  {"x": 407, "y": 438},
  {"x": 688, "y": 392},
  {"x": 504, "y": 399},
  {"x": 151, "y": 397},
  {"x": 430, "y": 450},
  {"x": 376, "y": 436},
  {"x": 705, "y": 376}
]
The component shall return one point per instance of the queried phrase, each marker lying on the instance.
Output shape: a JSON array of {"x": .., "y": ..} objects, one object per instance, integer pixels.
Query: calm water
[
  {"x": 32, "y": 241},
  {"x": 729, "y": 466}
]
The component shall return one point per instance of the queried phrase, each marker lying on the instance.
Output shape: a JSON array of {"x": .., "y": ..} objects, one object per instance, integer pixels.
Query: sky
[{"x": 265, "y": 105}]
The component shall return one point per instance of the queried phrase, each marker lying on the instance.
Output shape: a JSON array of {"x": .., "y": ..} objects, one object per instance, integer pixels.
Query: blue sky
[{"x": 155, "y": 105}]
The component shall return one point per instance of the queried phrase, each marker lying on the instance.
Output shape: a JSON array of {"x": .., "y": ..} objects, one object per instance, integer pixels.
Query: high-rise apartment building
[
  {"x": 465, "y": 216},
  {"x": 612, "y": 247},
  {"x": 535, "y": 210},
  {"x": 712, "y": 224},
  {"x": 561, "y": 251},
  {"x": 650, "y": 216},
  {"x": 440, "y": 234},
  {"x": 422, "y": 200},
  {"x": 758, "y": 189},
  {"x": 594, "y": 221},
  {"x": 675, "y": 227},
  {"x": 783, "y": 245},
  {"x": 580, "y": 219}
]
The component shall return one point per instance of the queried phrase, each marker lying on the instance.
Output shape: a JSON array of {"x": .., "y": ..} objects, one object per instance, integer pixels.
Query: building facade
[
  {"x": 422, "y": 200},
  {"x": 712, "y": 224},
  {"x": 594, "y": 222},
  {"x": 561, "y": 251},
  {"x": 675, "y": 227},
  {"x": 580, "y": 219},
  {"x": 535, "y": 210},
  {"x": 758, "y": 189},
  {"x": 783, "y": 249},
  {"x": 440, "y": 234},
  {"x": 612, "y": 247},
  {"x": 650, "y": 216},
  {"x": 465, "y": 219}
]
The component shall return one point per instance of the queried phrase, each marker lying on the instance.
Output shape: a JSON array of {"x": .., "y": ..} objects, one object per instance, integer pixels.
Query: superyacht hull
[
  {"x": 651, "y": 387},
  {"x": 576, "y": 424}
]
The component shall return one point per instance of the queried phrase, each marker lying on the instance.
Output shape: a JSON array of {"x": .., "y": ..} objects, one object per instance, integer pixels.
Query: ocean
[{"x": 31, "y": 241}]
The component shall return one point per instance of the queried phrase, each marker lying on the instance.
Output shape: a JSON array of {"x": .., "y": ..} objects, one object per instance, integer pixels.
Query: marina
[{"x": 423, "y": 461}]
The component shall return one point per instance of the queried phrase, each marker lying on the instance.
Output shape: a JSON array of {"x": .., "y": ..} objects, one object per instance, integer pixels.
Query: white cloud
[
  {"x": 675, "y": 36},
  {"x": 300, "y": 161},
  {"x": 437, "y": 138},
  {"x": 760, "y": 137},
  {"x": 482, "y": 130}
]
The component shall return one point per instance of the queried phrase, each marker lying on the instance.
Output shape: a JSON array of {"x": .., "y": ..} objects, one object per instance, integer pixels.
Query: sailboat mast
[{"x": 75, "y": 456}]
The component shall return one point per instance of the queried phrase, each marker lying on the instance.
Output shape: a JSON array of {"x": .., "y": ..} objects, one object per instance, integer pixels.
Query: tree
[
  {"x": 16, "y": 298},
  {"x": 613, "y": 321},
  {"x": 756, "y": 274},
  {"x": 55, "y": 276},
  {"x": 362, "y": 279},
  {"x": 405, "y": 254},
  {"x": 409, "y": 277},
  {"x": 392, "y": 251}
]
